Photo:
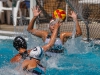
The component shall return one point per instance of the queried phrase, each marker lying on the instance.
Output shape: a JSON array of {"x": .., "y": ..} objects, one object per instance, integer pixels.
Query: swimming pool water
[
  {"x": 64, "y": 64},
  {"x": 6, "y": 51}
]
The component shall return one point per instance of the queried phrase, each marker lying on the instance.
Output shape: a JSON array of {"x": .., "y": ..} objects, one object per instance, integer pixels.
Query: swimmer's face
[
  {"x": 51, "y": 27},
  {"x": 51, "y": 24}
]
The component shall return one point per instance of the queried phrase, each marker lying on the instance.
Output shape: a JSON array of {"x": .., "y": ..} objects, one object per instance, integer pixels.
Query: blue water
[
  {"x": 6, "y": 51},
  {"x": 83, "y": 63}
]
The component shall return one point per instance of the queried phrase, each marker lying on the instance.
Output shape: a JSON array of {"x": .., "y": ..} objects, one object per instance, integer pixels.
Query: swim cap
[
  {"x": 19, "y": 42},
  {"x": 37, "y": 53},
  {"x": 53, "y": 22}
]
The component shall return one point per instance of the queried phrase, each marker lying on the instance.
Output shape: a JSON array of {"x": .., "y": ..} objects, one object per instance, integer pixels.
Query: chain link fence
[{"x": 88, "y": 15}]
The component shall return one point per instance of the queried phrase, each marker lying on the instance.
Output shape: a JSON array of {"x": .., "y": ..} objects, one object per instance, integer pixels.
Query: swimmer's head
[
  {"x": 37, "y": 53},
  {"x": 53, "y": 22},
  {"x": 19, "y": 42}
]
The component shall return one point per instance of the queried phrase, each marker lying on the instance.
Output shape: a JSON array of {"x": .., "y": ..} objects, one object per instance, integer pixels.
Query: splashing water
[
  {"x": 77, "y": 46},
  {"x": 34, "y": 41},
  {"x": 74, "y": 30},
  {"x": 10, "y": 69}
]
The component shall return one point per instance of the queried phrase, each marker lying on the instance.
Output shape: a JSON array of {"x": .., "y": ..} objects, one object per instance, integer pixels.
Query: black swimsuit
[{"x": 57, "y": 47}]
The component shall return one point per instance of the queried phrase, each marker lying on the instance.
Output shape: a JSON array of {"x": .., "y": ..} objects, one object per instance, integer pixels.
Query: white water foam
[{"x": 77, "y": 46}]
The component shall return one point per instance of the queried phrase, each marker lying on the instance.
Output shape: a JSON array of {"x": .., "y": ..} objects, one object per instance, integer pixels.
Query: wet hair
[{"x": 19, "y": 42}]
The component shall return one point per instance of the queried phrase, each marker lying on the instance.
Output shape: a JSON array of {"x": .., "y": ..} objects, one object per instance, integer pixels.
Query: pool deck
[
  {"x": 9, "y": 31},
  {"x": 5, "y": 27}
]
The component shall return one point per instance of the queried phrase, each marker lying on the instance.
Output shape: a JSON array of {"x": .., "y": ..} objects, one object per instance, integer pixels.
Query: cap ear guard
[{"x": 19, "y": 42}]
